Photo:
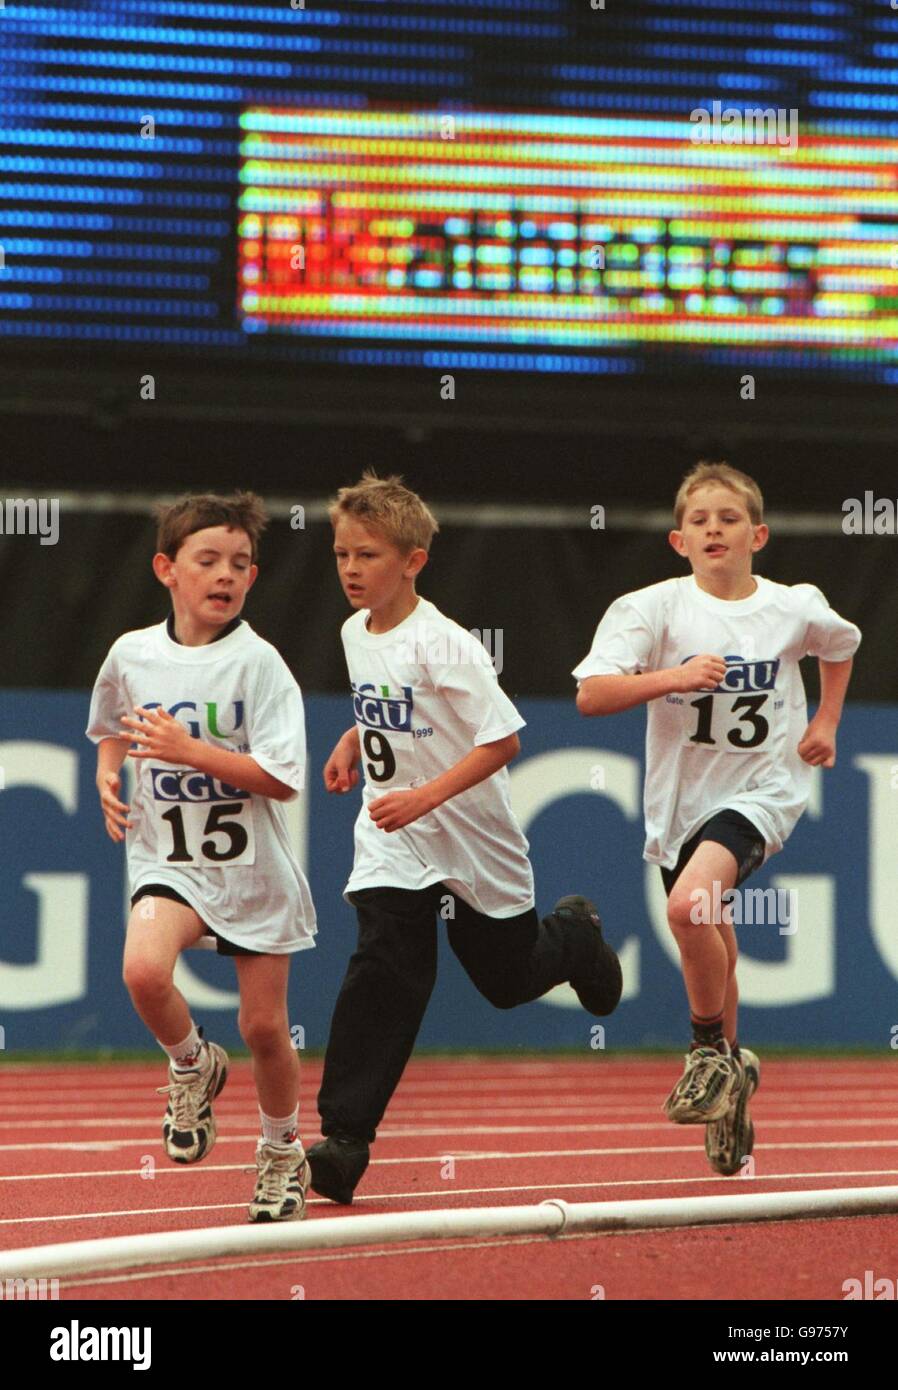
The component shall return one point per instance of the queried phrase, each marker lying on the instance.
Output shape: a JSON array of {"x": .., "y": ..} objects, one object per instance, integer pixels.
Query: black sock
[
  {"x": 734, "y": 1049},
  {"x": 707, "y": 1032}
]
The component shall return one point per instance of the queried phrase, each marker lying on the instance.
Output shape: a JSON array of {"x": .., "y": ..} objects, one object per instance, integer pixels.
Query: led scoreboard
[
  {"x": 654, "y": 187},
  {"x": 565, "y": 232}
]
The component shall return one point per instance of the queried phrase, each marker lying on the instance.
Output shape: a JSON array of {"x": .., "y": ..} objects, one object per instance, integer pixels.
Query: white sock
[
  {"x": 283, "y": 1132},
  {"x": 184, "y": 1055}
]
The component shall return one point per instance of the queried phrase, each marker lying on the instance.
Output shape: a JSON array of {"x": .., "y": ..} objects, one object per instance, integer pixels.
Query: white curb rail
[{"x": 552, "y": 1217}]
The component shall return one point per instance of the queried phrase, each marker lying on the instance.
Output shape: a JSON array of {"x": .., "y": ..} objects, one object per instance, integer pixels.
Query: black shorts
[
  {"x": 162, "y": 890},
  {"x": 736, "y": 833}
]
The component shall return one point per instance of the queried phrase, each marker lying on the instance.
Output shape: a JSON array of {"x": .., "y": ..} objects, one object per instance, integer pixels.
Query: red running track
[{"x": 81, "y": 1158}]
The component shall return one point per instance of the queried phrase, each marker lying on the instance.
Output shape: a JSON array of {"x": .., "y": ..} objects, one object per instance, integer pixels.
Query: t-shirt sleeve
[
  {"x": 108, "y": 704},
  {"x": 623, "y": 642},
  {"x": 471, "y": 687},
  {"x": 828, "y": 635},
  {"x": 277, "y": 737}
]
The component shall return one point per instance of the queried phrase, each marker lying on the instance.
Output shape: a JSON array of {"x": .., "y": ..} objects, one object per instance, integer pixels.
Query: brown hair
[
  {"x": 241, "y": 511},
  {"x": 388, "y": 506},
  {"x": 740, "y": 483}
]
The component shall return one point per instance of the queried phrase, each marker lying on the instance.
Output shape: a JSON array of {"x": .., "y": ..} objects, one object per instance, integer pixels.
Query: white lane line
[
  {"x": 430, "y": 1160},
  {"x": 320, "y": 1259},
  {"x": 651, "y": 1126},
  {"x": 447, "y": 1190}
]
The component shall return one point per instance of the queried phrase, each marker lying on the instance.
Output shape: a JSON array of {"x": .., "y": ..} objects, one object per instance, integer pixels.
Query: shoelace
[
  {"x": 272, "y": 1172},
  {"x": 698, "y": 1082},
  {"x": 184, "y": 1100}
]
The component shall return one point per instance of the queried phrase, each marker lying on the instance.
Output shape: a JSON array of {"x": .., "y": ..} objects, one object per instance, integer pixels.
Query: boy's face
[
  {"x": 210, "y": 576},
  {"x": 372, "y": 570},
  {"x": 717, "y": 535}
]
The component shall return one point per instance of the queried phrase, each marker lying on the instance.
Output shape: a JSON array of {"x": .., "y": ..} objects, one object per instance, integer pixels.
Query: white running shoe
[
  {"x": 729, "y": 1140},
  {"x": 188, "y": 1129},
  {"x": 704, "y": 1090},
  {"x": 282, "y": 1182}
]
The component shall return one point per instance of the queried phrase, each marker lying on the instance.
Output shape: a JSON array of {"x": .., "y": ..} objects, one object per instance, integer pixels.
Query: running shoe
[
  {"x": 704, "y": 1090},
  {"x": 337, "y": 1164},
  {"x": 600, "y": 986},
  {"x": 731, "y": 1139},
  {"x": 282, "y": 1181},
  {"x": 188, "y": 1129}
]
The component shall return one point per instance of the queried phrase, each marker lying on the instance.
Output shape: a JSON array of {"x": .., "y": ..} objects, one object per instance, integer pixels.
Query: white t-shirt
[
  {"x": 225, "y": 850},
  {"x": 424, "y": 695},
  {"x": 735, "y": 747}
]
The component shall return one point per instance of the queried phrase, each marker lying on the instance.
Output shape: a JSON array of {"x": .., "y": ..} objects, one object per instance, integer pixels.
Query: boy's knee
[
  {"x": 262, "y": 1033},
  {"x": 683, "y": 915},
  {"x": 146, "y": 979}
]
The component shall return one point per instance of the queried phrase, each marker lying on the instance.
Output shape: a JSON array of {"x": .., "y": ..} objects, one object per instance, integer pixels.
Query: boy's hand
[
  {"x": 396, "y": 809},
  {"x": 340, "y": 773},
  {"x": 818, "y": 747},
  {"x": 115, "y": 812},
  {"x": 701, "y": 673},
  {"x": 159, "y": 735}
]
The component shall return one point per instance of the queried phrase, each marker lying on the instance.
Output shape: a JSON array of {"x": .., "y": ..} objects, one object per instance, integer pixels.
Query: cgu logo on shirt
[
  {"x": 745, "y": 675},
  {"x": 211, "y": 708},
  {"x": 170, "y": 784},
  {"x": 376, "y": 708}
]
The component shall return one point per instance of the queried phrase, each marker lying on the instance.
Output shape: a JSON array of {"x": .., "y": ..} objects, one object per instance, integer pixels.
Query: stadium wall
[{"x": 825, "y": 976}]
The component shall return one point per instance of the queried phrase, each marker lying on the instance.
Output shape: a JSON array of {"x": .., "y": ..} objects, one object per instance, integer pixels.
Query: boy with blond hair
[
  {"x": 435, "y": 833},
  {"x": 215, "y": 724},
  {"x": 728, "y": 771}
]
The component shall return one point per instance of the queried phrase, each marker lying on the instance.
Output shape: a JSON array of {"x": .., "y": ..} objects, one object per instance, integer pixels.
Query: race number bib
[
  {"x": 201, "y": 822},
  {"x": 743, "y": 715},
  {"x": 386, "y": 735}
]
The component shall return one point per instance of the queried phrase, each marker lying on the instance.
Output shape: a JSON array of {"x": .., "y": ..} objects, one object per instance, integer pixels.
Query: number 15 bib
[{"x": 200, "y": 821}]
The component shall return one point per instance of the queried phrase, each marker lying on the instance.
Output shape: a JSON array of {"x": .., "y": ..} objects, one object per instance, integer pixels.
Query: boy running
[
  {"x": 435, "y": 833},
  {"x": 727, "y": 771},
  {"x": 214, "y": 722}
]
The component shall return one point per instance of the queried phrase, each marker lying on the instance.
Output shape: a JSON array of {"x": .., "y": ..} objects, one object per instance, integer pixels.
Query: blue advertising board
[{"x": 825, "y": 971}]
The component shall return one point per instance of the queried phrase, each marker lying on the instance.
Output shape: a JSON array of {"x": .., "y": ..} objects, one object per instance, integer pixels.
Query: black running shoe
[
  {"x": 337, "y": 1165},
  {"x": 600, "y": 987}
]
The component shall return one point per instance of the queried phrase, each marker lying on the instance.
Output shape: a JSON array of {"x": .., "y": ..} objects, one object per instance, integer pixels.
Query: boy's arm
[
  {"x": 818, "y": 747},
  {"x": 111, "y": 753},
  {"x": 612, "y": 694},
  {"x": 400, "y": 808},
  {"x": 340, "y": 773},
  {"x": 162, "y": 736}
]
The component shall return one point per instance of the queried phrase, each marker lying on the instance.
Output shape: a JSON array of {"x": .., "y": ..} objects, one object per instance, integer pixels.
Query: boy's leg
[
  {"x": 158, "y": 930},
  {"x": 283, "y": 1173},
  {"x": 513, "y": 960},
  {"x": 385, "y": 992},
  {"x": 707, "y": 948},
  {"x": 265, "y": 1028}
]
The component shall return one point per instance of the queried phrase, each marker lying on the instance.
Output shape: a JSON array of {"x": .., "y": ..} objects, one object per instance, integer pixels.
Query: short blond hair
[
  {"x": 705, "y": 472},
  {"x": 388, "y": 506}
]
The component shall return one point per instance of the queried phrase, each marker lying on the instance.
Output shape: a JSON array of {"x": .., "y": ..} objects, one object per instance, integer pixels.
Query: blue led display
[{"x": 120, "y": 126}]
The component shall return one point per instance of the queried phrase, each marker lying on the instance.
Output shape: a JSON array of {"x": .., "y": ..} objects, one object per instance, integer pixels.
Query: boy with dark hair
[
  {"x": 435, "y": 833},
  {"x": 214, "y": 722}
]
